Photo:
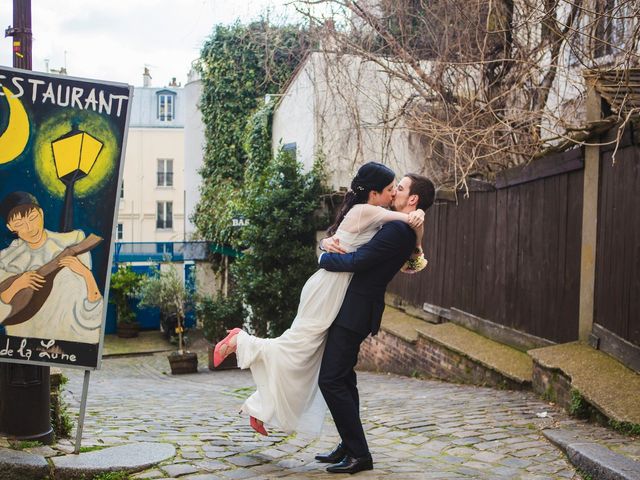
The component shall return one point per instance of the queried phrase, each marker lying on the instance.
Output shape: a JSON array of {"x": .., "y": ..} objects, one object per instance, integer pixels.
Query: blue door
[{"x": 149, "y": 318}]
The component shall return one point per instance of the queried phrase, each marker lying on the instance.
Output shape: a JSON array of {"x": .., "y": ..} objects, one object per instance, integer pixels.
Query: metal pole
[
  {"x": 83, "y": 409},
  {"x": 21, "y": 33},
  {"x": 24, "y": 389}
]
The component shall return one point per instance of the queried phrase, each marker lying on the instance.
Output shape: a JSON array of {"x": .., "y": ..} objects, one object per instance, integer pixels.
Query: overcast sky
[{"x": 115, "y": 39}]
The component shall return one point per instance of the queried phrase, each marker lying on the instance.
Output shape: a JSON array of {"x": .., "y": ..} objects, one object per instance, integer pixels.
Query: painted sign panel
[{"x": 62, "y": 143}]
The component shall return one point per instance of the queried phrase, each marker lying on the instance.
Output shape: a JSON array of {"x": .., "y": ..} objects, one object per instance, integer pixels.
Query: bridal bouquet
[{"x": 416, "y": 263}]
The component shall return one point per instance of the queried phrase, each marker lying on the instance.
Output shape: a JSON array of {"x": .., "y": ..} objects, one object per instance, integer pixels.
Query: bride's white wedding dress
[{"x": 285, "y": 369}]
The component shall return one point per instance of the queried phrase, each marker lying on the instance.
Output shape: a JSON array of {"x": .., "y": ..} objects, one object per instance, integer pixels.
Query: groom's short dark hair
[{"x": 423, "y": 188}]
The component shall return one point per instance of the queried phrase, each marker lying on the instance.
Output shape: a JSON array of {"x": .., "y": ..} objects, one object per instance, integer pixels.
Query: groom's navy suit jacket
[{"x": 374, "y": 265}]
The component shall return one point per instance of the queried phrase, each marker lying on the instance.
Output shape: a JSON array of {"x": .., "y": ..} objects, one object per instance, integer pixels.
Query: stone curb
[
  {"x": 18, "y": 465},
  {"x": 135, "y": 354},
  {"x": 592, "y": 458}
]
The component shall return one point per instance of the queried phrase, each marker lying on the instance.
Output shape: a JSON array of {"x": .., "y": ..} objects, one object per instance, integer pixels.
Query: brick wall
[
  {"x": 552, "y": 385},
  {"x": 388, "y": 353}
]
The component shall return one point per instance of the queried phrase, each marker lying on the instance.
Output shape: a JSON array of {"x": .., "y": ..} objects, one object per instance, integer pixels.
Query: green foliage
[
  {"x": 239, "y": 65},
  {"x": 165, "y": 290},
  {"x": 93, "y": 448},
  {"x": 627, "y": 428},
  {"x": 585, "y": 475},
  {"x": 219, "y": 315},
  {"x": 223, "y": 199},
  {"x": 241, "y": 393},
  {"x": 578, "y": 406},
  {"x": 218, "y": 205},
  {"x": 61, "y": 423},
  {"x": 123, "y": 288},
  {"x": 280, "y": 205},
  {"x": 24, "y": 444},
  {"x": 112, "y": 476},
  {"x": 61, "y": 420},
  {"x": 257, "y": 140}
]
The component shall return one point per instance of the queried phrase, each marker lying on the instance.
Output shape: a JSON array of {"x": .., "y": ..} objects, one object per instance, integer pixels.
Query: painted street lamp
[{"x": 74, "y": 155}]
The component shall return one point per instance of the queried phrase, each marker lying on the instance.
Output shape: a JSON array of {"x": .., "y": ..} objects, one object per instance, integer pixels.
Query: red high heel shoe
[
  {"x": 217, "y": 357},
  {"x": 258, "y": 427}
]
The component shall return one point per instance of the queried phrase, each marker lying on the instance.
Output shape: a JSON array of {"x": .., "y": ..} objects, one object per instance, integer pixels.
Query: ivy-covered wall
[{"x": 239, "y": 65}]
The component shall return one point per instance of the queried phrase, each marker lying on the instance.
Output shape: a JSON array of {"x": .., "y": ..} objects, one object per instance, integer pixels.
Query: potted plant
[
  {"x": 123, "y": 289},
  {"x": 217, "y": 316},
  {"x": 165, "y": 290}
]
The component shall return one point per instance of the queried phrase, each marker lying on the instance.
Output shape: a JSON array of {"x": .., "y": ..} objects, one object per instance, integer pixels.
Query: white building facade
[
  {"x": 194, "y": 147},
  {"x": 152, "y": 198},
  {"x": 338, "y": 108}
]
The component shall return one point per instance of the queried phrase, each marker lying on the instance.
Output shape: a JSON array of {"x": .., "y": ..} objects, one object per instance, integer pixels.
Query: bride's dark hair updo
[{"x": 371, "y": 176}]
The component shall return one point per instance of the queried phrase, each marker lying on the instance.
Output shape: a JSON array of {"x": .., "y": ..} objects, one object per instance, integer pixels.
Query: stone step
[
  {"x": 570, "y": 372},
  {"x": 592, "y": 458},
  {"x": 584, "y": 381},
  {"x": 409, "y": 345},
  {"x": 506, "y": 360},
  {"x": 133, "y": 457},
  {"x": 18, "y": 465}
]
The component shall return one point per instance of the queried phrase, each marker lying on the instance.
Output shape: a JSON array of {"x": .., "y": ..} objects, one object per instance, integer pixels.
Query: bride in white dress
[{"x": 285, "y": 369}]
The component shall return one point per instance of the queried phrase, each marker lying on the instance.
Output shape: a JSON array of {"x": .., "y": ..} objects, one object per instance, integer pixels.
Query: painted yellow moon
[{"x": 15, "y": 137}]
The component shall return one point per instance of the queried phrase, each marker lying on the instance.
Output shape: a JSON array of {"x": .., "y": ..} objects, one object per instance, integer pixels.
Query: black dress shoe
[
  {"x": 351, "y": 464},
  {"x": 334, "y": 457}
]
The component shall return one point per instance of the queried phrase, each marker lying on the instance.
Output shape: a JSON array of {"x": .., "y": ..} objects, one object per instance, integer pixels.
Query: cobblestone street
[{"x": 416, "y": 428}]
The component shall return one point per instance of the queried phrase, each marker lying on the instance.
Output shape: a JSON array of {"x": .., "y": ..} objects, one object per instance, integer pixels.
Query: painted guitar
[{"x": 27, "y": 302}]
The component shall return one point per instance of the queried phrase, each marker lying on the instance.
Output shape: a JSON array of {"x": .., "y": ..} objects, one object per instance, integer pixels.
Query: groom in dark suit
[{"x": 374, "y": 265}]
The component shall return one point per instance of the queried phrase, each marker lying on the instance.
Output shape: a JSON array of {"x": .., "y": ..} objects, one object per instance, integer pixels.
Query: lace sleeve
[{"x": 364, "y": 216}]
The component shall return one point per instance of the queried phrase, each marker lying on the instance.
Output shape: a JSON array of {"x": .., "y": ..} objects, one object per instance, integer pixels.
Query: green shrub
[
  {"x": 280, "y": 204},
  {"x": 123, "y": 288},
  {"x": 238, "y": 65},
  {"x": 165, "y": 290},
  {"x": 219, "y": 315}
]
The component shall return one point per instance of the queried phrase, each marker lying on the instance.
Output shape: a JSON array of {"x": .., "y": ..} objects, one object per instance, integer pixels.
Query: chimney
[{"x": 146, "y": 78}]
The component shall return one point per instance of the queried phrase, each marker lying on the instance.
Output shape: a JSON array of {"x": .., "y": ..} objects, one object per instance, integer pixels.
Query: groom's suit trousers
[{"x": 338, "y": 384}]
